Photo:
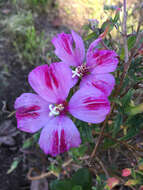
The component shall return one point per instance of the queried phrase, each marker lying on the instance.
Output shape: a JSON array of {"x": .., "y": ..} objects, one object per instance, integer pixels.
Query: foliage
[
  {"x": 31, "y": 47},
  {"x": 14, "y": 165},
  {"x": 75, "y": 183},
  {"x": 18, "y": 24},
  {"x": 34, "y": 5},
  {"x": 36, "y": 2}
]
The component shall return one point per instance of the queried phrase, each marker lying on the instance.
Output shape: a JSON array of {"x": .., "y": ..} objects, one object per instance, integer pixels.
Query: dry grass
[{"x": 75, "y": 13}]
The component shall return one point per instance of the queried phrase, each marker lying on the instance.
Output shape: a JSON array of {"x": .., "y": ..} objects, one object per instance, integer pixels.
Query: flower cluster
[{"x": 49, "y": 108}]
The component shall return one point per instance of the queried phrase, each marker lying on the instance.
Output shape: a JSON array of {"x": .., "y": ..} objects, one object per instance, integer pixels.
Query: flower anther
[
  {"x": 55, "y": 110},
  {"x": 79, "y": 71}
]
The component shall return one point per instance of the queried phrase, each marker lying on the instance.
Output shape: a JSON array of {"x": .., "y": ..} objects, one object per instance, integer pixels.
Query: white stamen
[
  {"x": 75, "y": 73},
  {"x": 79, "y": 71},
  {"x": 55, "y": 110}
]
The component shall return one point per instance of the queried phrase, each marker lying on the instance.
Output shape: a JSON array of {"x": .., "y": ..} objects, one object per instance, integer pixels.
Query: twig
[
  {"x": 103, "y": 167},
  {"x": 126, "y": 67},
  {"x": 101, "y": 134},
  {"x": 140, "y": 19},
  {"x": 41, "y": 176},
  {"x": 104, "y": 45},
  {"x": 124, "y": 74},
  {"x": 99, "y": 139},
  {"x": 84, "y": 157},
  {"x": 71, "y": 160},
  {"x": 11, "y": 114},
  {"x": 124, "y": 31},
  {"x": 130, "y": 147},
  {"x": 4, "y": 107},
  {"x": 67, "y": 163},
  {"x": 138, "y": 39}
]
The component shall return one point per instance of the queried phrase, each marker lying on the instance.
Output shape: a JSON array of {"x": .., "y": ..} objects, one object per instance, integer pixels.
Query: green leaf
[
  {"x": 86, "y": 134},
  {"x": 13, "y": 166},
  {"x": 30, "y": 141},
  {"x": 85, "y": 130},
  {"x": 108, "y": 23},
  {"x": 127, "y": 98},
  {"x": 78, "y": 152},
  {"x": 90, "y": 36},
  {"x": 117, "y": 123},
  {"x": 82, "y": 178},
  {"x": 135, "y": 125},
  {"x": 75, "y": 183},
  {"x": 27, "y": 143},
  {"x": 100, "y": 182},
  {"x": 61, "y": 185},
  {"x": 131, "y": 41},
  {"x": 77, "y": 187},
  {"x": 94, "y": 188},
  {"x": 131, "y": 133},
  {"x": 108, "y": 143},
  {"x": 136, "y": 109},
  {"x": 116, "y": 18},
  {"x": 98, "y": 179}
]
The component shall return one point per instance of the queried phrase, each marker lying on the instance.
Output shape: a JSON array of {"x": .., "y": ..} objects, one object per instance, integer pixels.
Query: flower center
[
  {"x": 79, "y": 71},
  {"x": 55, "y": 110}
]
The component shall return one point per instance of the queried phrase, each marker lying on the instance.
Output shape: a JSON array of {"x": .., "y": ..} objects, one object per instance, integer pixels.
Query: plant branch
[
  {"x": 103, "y": 167},
  {"x": 124, "y": 31},
  {"x": 41, "y": 176},
  {"x": 128, "y": 146},
  {"x": 127, "y": 61},
  {"x": 101, "y": 134}
]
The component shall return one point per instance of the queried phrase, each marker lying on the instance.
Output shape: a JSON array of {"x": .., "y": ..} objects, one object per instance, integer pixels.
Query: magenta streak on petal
[
  {"x": 48, "y": 80},
  {"x": 103, "y": 54},
  {"x": 66, "y": 44},
  {"x": 28, "y": 112},
  {"x": 102, "y": 57},
  {"x": 55, "y": 143},
  {"x": 54, "y": 78},
  {"x": 96, "y": 54},
  {"x": 63, "y": 146},
  {"x": 95, "y": 104},
  {"x": 100, "y": 85}
]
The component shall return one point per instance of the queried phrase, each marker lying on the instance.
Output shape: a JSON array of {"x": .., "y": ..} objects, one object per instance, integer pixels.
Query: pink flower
[
  {"x": 48, "y": 108},
  {"x": 126, "y": 172},
  {"x": 118, "y": 9},
  {"x": 112, "y": 182},
  {"x": 99, "y": 63}
]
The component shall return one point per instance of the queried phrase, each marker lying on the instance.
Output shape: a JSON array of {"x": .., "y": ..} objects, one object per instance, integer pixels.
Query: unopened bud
[
  {"x": 126, "y": 172},
  {"x": 112, "y": 182}
]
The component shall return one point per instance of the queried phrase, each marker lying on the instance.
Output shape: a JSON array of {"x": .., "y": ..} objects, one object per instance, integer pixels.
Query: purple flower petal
[
  {"x": 79, "y": 48},
  {"x": 91, "y": 49},
  {"x": 103, "y": 82},
  {"x": 59, "y": 135},
  {"x": 102, "y": 61},
  {"x": 66, "y": 52},
  {"x": 31, "y": 112},
  {"x": 89, "y": 104},
  {"x": 52, "y": 82}
]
